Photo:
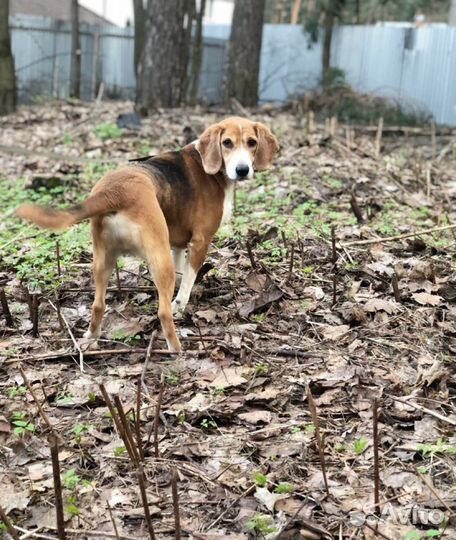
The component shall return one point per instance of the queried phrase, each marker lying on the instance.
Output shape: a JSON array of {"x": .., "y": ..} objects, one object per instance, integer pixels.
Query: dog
[{"x": 174, "y": 202}]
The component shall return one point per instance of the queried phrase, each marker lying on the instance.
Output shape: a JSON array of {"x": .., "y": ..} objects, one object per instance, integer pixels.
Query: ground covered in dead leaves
[{"x": 277, "y": 315}]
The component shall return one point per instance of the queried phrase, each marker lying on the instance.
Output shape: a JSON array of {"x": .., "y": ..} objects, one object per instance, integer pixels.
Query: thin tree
[
  {"x": 197, "y": 54},
  {"x": 162, "y": 78},
  {"x": 139, "y": 15},
  {"x": 75, "y": 77},
  {"x": 243, "y": 66},
  {"x": 7, "y": 77}
]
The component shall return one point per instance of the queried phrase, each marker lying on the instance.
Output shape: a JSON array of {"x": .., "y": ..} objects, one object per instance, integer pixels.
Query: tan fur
[{"x": 134, "y": 210}]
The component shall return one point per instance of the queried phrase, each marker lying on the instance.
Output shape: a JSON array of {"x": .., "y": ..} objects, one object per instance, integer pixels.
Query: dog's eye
[
  {"x": 227, "y": 143},
  {"x": 251, "y": 143}
]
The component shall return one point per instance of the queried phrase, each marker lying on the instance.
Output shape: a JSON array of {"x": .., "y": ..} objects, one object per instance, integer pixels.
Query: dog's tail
[{"x": 58, "y": 220}]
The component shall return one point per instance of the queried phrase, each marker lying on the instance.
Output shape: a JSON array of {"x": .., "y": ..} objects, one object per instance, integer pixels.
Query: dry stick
[
  {"x": 378, "y": 137},
  {"x": 395, "y": 285},
  {"x": 8, "y": 524},
  {"x": 137, "y": 420},
  {"x": 376, "y": 460},
  {"x": 316, "y": 423},
  {"x": 59, "y": 313},
  {"x": 198, "y": 327},
  {"x": 117, "y": 422},
  {"x": 376, "y": 531},
  {"x": 436, "y": 494},
  {"x": 157, "y": 416},
  {"x": 104, "y": 352},
  {"x": 356, "y": 209},
  {"x": 34, "y": 314},
  {"x": 248, "y": 247},
  {"x": 57, "y": 255},
  {"x": 334, "y": 288},
  {"x": 57, "y": 487},
  {"x": 233, "y": 503},
  {"x": 142, "y": 489},
  {"x": 126, "y": 429},
  {"x": 73, "y": 339},
  {"x": 34, "y": 396},
  {"x": 424, "y": 409},
  {"x": 6, "y": 311},
  {"x": 116, "y": 532},
  {"x": 290, "y": 267},
  {"x": 176, "y": 503},
  {"x": 398, "y": 237},
  {"x": 146, "y": 363},
  {"x": 83, "y": 532}
]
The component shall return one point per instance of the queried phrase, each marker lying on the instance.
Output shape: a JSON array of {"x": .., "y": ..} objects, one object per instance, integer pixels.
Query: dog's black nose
[{"x": 242, "y": 170}]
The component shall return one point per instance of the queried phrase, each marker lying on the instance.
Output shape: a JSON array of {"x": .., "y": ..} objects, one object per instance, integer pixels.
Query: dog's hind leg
[
  {"x": 104, "y": 261},
  {"x": 155, "y": 242}
]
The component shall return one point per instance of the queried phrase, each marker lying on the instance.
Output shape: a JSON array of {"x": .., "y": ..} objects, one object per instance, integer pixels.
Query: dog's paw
[
  {"x": 178, "y": 309},
  {"x": 89, "y": 341}
]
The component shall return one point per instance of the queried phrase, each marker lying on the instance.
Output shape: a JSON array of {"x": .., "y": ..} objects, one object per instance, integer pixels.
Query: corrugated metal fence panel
[
  {"x": 211, "y": 77},
  {"x": 290, "y": 62},
  {"x": 414, "y": 66},
  {"x": 117, "y": 65}
]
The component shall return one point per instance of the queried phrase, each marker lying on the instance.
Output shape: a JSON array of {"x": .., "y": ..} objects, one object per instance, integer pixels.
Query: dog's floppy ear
[
  {"x": 208, "y": 146},
  {"x": 268, "y": 146}
]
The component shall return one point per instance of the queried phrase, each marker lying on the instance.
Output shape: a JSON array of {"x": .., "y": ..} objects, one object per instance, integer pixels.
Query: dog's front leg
[{"x": 197, "y": 251}]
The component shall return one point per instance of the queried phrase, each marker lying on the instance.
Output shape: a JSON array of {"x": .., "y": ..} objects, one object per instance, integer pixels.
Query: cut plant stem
[
  {"x": 176, "y": 504},
  {"x": 395, "y": 285},
  {"x": 6, "y": 311},
  {"x": 113, "y": 521},
  {"x": 53, "y": 443},
  {"x": 142, "y": 489},
  {"x": 57, "y": 255},
  {"x": 38, "y": 404},
  {"x": 117, "y": 421},
  {"x": 356, "y": 209},
  {"x": 157, "y": 416},
  {"x": 376, "y": 459},
  {"x": 318, "y": 437},
  {"x": 138, "y": 419},
  {"x": 35, "y": 303},
  {"x": 127, "y": 434}
]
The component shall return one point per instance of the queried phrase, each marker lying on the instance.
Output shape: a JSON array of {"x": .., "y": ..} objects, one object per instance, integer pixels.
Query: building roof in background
[{"x": 57, "y": 9}]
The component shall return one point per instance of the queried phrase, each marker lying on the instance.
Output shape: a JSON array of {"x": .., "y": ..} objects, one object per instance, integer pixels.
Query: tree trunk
[
  {"x": 452, "y": 18},
  {"x": 163, "y": 67},
  {"x": 197, "y": 55},
  {"x": 7, "y": 77},
  {"x": 139, "y": 16},
  {"x": 75, "y": 81},
  {"x": 243, "y": 66},
  {"x": 330, "y": 13},
  {"x": 295, "y": 11}
]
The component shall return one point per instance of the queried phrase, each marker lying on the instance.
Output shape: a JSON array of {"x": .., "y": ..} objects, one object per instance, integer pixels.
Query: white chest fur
[{"x": 228, "y": 203}]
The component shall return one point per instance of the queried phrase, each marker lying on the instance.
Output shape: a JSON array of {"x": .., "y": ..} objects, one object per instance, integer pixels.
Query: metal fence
[{"x": 416, "y": 66}]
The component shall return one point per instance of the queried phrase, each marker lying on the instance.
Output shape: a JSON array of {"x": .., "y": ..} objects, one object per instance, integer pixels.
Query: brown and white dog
[{"x": 177, "y": 199}]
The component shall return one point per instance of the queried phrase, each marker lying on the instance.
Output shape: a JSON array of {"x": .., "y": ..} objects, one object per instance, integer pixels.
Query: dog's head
[{"x": 238, "y": 147}]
